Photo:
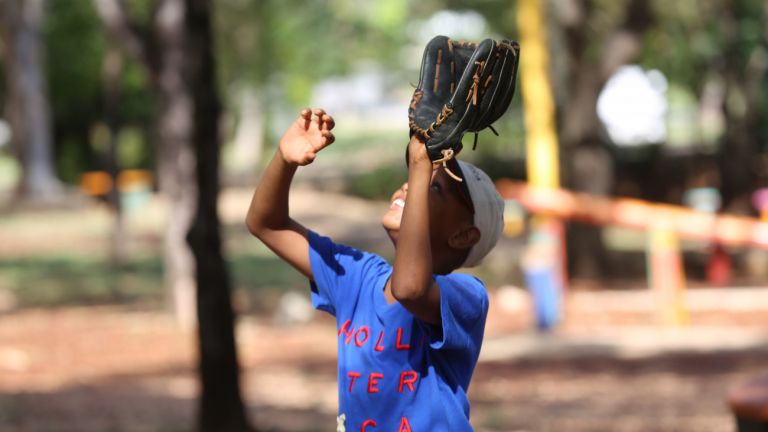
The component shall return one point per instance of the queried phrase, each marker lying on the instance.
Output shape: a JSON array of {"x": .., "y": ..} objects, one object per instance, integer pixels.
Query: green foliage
[
  {"x": 75, "y": 47},
  {"x": 10, "y": 171},
  {"x": 132, "y": 148},
  {"x": 378, "y": 183},
  {"x": 72, "y": 158},
  {"x": 295, "y": 45},
  {"x": 693, "y": 38}
]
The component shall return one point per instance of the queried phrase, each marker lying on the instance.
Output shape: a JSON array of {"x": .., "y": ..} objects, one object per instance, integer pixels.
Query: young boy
[{"x": 409, "y": 334}]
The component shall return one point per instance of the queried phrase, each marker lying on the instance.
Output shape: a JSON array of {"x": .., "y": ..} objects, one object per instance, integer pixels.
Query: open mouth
[{"x": 398, "y": 203}]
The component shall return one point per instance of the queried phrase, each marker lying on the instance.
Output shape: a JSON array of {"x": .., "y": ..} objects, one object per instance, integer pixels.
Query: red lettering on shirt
[
  {"x": 379, "y": 347},
  {"x": 347, "y": 331},
  {"x": 398, "y": 344},
  {"x": 404, "y": 425},
  {"x": 353, "y": 376},
  {"x": 407, "y": 378},
  {"x": 359, "y": 342},
  {"x": 373, "y": 381},
  {"x": 367, "y": 423}
]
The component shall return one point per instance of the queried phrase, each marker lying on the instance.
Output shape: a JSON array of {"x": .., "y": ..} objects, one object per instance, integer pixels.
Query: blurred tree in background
[
  {"x": 270, "y": 57},
  {"x": 110, "y": 85},
  {"x": 76, "y": 48},
  {"x": 27, "y": 106}
]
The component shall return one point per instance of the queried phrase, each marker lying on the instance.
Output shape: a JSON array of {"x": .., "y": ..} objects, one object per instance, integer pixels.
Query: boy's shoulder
[
  {"x": 344, "y": 260},
  {"x": 463, "y": 290},
  {"x": 463, "y": 279}
]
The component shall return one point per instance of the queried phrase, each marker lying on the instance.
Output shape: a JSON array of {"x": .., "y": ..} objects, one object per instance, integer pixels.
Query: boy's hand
[
  {"x": 307, "y": 136},
  {"x": 417, "y": 152}
]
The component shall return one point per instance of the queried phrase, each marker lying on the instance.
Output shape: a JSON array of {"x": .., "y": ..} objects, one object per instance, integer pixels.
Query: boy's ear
[{"x": 464, "y": 238}]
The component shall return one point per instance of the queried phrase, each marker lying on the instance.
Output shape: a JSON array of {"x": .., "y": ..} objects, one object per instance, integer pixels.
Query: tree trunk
[
  {"x": 176, "y": 160},
  {"x": 588, "y": 163},
  {"x": 744, "y": 75},
  {"x": 29, "y": 111},
  {"x": 221, "y": 406},
  {"x": 112, "y": 72},
  {"x": 180, "y": 61}
]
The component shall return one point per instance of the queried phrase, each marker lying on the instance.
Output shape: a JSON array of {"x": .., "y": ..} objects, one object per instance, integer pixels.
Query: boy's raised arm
[
  {"x": 412, "y": 283},
  {"x": 268, "y": 216}
]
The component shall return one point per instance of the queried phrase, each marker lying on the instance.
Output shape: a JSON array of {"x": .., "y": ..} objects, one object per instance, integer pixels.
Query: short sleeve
[
  {"x": 334, "y": 267},
  {"x": 463, "y": 308}
]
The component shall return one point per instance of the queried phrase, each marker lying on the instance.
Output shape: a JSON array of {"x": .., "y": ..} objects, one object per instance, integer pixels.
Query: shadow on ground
[{"x": 680, "y": 391}]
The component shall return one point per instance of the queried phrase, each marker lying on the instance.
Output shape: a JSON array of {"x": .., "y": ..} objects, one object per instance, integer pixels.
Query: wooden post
[{"x": 666, "y": 276}]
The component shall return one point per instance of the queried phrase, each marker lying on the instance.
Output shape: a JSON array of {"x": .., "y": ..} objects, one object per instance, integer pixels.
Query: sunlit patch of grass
[
  {"x": 60, "y": 280},
  {"x": 258, "y": 274},
  {"x": 55, "y": 280}
]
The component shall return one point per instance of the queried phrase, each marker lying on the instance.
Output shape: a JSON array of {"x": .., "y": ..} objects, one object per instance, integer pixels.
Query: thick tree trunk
[
  {"x": 164, "y": 58},
  {"x": 744, "y": 76},
  {"x": 221, "y": 406},
  {"x": 180, "y": 61},
  {"x": 588, "y": 164},
  {"x": 29, "y": 111}
]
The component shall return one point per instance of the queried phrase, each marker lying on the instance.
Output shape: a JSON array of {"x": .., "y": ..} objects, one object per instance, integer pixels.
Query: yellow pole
[
  {"x": 541, "y": 137},
  {"x": 542, "y": 160}
]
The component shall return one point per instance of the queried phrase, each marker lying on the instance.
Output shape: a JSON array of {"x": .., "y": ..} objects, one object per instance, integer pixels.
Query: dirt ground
[
  {"x": 611, "y": 366},
  {"x": 116, "y": 369}
]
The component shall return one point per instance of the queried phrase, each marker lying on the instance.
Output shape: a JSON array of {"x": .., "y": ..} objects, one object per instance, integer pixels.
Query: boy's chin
[
  {"x": 393, "y": 234},
  {"x": 391, "y": 221}
]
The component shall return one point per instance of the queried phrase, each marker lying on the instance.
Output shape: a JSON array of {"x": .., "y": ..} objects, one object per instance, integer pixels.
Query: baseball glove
[{"x": 462, "y": 87}]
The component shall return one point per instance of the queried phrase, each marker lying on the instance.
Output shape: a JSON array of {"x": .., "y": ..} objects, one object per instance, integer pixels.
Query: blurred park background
[{"x": 132, "y": 134}]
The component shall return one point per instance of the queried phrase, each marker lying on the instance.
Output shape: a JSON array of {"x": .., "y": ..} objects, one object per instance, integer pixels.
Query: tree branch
[
  {"x": 625, "y": 43},
  {"x": 119, "y": 26}
]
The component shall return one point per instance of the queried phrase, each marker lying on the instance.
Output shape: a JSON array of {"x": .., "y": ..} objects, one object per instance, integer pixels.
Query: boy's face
[{"x": 449, "y": 208}]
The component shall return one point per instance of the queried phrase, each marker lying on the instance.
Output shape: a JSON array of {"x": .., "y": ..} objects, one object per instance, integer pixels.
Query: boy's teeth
[{"x": 399, "y": 202}]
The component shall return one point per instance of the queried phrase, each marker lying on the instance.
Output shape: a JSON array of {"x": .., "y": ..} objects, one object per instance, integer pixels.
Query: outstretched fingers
[
  {"x": 325, "y": 124},
  {"x": 328, "y": 137},
  {"x": 305, "y": 117},
  {"x": 328, "y": 122}
]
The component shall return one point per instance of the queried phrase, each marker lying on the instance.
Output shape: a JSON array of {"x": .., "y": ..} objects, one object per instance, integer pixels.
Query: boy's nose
[{"x": 405, "y": 187}]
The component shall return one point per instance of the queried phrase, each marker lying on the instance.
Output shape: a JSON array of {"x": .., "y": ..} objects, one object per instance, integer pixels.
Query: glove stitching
[{"x": 437, "y": 70}]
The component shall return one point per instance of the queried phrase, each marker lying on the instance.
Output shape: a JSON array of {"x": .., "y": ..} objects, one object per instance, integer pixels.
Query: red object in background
[{"x": 719, "y": 266}]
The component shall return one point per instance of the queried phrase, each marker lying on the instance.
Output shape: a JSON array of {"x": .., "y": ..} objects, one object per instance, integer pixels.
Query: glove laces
[{"x": 447, "y": 155}]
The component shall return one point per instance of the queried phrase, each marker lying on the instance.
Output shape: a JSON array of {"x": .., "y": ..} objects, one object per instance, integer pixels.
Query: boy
[{"x": 410, "y": 333}]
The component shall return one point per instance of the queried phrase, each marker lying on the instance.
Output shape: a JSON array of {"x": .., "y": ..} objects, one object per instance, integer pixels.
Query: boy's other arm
[
  {"x": 412, "y": 282},
  {"x": 268, "y": 217}
]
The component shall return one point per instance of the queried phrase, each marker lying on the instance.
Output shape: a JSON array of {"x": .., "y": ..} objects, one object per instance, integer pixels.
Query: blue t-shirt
[{"x": 395, "y": 372}]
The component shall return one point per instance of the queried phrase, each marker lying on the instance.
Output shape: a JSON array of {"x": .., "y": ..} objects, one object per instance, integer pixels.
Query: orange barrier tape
[
  {"x": 99, "y": 183},
  {"x": 635, "y": 213}
]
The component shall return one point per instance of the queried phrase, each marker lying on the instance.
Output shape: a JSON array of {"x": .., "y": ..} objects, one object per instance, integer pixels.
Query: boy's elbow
[
  {"x": 256, "y": 229},
  {"x": 408, "y": 291}
]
